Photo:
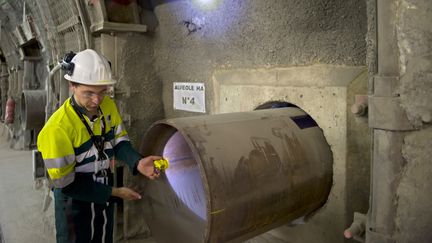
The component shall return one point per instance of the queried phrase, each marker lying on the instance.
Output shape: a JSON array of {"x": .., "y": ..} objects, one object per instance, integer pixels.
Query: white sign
[{"x": 189, "y": 97}]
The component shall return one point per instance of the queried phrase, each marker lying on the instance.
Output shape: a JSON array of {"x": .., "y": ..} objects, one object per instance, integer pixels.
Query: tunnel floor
[{"x": 21, "y": 217}]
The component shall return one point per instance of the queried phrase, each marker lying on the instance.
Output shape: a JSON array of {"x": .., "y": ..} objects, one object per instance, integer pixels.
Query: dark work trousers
[
  {"x": 82, "y": 222},
  {"x": 93, "y": 222}
]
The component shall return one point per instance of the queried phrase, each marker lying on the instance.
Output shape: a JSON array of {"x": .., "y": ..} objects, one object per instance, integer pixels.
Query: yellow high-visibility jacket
[{"x": 70, "y": 156}]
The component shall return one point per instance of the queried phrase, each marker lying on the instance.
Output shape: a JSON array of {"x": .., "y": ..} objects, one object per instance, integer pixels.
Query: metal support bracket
[{"x": 385, "y": 111}]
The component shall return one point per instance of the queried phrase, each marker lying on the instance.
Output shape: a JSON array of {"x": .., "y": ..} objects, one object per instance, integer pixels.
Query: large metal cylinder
[
  {"x": 33, "y": 109},
  {"x": 234, "y": 176}
]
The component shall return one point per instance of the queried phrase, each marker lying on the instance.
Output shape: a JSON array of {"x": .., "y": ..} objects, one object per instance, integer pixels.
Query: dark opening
[
  {"x": 31, "y": 48},
  {"x": 275, "y": 104},
  {"x": 304, "y": 121}
]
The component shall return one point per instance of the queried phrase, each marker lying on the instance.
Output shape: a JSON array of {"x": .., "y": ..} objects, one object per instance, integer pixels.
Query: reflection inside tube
[{"x": 183, "y": 175}]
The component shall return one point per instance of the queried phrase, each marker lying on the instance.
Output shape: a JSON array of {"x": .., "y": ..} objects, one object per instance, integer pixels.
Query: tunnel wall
[
  {"x": 400, "y": 209},
  {"x": 192, "y": 43},
  {"x": 311, "y": 54},
  {"x": 415, "y": 46}
]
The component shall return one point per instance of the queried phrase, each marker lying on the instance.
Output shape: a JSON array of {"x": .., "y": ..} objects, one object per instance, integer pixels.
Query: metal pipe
[
  {"x": 64, "y": 91},
  {"x": 28, "y": 77},
  {"x": 11, "y": 82},
  {"x": 84, "y": 24},
  {"x": 3, "y": 89},
  {"x": 387, "y": 160},
  {"x": 19, "y": 84},
  {"x": 234, "y": 176},
  {"x": 48, "y": 85}
]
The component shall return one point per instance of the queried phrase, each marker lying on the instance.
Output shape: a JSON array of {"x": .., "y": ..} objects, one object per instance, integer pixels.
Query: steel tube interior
[{"x": 234, "y": 176}]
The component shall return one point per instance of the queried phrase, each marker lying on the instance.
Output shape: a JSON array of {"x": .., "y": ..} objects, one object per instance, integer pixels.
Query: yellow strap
[
  {"x": 217, "y": 211},
  {"x": 57, "y": 173}
]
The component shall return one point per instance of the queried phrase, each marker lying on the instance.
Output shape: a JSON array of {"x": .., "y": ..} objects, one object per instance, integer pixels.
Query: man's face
[{"x": 89, "y": 96}]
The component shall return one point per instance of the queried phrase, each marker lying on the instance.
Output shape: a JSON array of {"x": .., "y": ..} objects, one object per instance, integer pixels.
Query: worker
[{"x": 78, "y": 144}]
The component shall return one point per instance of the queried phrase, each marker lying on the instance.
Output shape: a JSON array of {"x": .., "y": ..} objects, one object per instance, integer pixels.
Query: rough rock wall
[
  {"x": 191, "y": 43},
  {"x": 415, "y": 47},
  {"x": 400, "y": 208},
  {"x": 414, "y": 215},
  {"x": 414, "y": 33},
  {"x": 136, "y": 74}
]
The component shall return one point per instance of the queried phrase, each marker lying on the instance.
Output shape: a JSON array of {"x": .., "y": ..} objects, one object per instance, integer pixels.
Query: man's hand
[
  {"x": 146, "y": 167},
  {"x": 125, "y": 193}
]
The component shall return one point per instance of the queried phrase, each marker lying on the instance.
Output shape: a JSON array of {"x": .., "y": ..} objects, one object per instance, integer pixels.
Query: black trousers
[
  {"x": 93, "y": 222},
  {"x": 82, "y": 222}
]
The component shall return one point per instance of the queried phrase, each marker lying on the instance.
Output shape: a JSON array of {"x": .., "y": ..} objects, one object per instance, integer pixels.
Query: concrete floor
[{"x": 21, "y": 216}]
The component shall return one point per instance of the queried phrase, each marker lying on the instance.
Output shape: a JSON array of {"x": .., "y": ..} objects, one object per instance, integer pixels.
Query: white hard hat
[{"x": 90, "y": 68}]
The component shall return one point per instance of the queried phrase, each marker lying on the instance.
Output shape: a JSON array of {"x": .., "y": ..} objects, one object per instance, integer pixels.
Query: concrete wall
[
  {"x": 307, "y": 53},
  {"x": 139, "y": 88},
  {"x": 192, "y": 43},
  {"x": 326, "y": 93}
]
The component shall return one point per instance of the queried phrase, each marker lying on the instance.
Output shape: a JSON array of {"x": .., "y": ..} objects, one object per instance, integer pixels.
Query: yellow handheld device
[{"x": 161, "y": 164}]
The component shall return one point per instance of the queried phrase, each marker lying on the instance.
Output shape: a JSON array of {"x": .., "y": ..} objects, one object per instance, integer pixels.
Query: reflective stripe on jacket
[{"x": 66, "y": 145}]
